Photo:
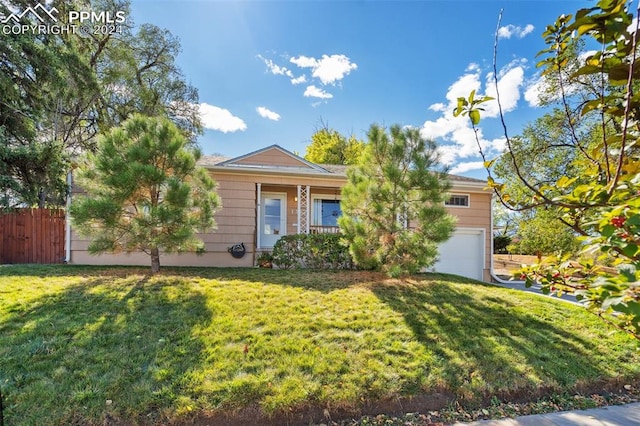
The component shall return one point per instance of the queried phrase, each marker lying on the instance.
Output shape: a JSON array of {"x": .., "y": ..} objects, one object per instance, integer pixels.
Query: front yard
[{"x": 89, "y": 345}]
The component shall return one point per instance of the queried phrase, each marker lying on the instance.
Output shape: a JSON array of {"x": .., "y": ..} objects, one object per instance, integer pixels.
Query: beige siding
[
  {"x": 207, "y": 260},
  {"x": 477, "y": 215},
  {"x": 236, "y": 219}
]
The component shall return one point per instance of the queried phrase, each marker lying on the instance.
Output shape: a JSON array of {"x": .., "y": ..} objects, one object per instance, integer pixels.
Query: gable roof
[
  {"x": 341, "y": 169},
  {"x": 273, "y": 157}
]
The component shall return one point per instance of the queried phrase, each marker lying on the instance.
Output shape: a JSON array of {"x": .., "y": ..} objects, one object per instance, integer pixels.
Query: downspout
[
  {"x": 491, "y": 271},
  {"x": 67, "y": 221}
]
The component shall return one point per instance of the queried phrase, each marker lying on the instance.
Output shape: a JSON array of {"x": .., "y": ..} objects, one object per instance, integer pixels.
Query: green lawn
[{"x": 90, "y": 345}]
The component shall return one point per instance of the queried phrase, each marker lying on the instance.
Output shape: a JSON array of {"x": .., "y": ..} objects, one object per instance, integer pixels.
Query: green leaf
[
  {"x": 474, "y": 115},
  {"x": 586, "y": 28},
  {"x": 607, "y": 230},
  {"x": 462, "y": 102},
  {"x": 471, "y": 96},
  {"x": 488, "y": 164},
  {"x": 629, "y": 307},
  {"x": 633, "y": 220},
  {"x": 630, "y": 250},
  {"x": 564, "y": 181}
]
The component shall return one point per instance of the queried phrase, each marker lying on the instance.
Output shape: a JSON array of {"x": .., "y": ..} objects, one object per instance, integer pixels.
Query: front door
[{"x": 273, "y": 221}]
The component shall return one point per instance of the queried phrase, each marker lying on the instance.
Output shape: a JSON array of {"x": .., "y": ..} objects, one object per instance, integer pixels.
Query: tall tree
[
  {"x": 135, "y": 72},
  {"x": 37, "y": 73},
  {"x": 61, "y": 90},
  {"x": 328, "y": 146},
  {"x": 597, "y": 194},
  {"x": 144, "y": 192},
  {"x": 138, "y": 73},
  {"x": 393, "y": 203},
  {"x": 539, "y": 232}
]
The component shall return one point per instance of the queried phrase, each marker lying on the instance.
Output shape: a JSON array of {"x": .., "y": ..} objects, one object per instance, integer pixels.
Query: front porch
[{"x": 294, "y": 209}]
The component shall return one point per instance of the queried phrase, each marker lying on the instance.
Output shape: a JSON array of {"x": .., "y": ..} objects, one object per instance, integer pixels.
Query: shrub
[
  {"x": 317, "y": 251},
  {"x": 287, "y": 252},
  {"x": 265, "y": 260},
  {"x": 500, "y": 244}
]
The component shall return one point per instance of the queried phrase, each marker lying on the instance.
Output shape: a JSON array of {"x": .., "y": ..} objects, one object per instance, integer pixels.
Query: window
[
  {"x": 458, "y": 201},
  {"x": 326, "y": 212}
]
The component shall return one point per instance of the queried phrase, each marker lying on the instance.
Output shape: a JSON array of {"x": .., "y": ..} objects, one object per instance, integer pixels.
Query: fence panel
[{"x": 32, "y": 236}]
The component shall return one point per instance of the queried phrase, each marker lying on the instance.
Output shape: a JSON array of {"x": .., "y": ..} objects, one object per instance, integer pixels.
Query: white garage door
[{"x": 462, "y": 254}]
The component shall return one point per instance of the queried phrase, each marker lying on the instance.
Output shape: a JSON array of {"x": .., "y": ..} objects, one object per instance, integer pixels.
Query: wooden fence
[{"x": 32, "y": 236}]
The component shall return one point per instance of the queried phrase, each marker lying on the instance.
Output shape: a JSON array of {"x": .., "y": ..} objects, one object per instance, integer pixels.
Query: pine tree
[
  {"x": 393, "y": 203},
  {"x": 144, "y": 192}
]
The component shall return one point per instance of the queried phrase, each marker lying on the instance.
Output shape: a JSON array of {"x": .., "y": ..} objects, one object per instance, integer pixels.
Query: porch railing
[{"x": 316, "y": 229}]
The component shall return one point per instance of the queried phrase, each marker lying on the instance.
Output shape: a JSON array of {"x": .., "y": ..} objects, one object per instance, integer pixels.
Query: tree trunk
[{"x": 155, "y": 260}]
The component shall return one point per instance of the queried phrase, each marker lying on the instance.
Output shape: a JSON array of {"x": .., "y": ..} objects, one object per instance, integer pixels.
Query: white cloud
[
  {"x": 509, "y": 84},
  {"x": 216, "y": 118},
  {"x": 456, "y": 138},
  {"x": 463, "y": 86},
  {"x": 499, "y": 144},
  {"x": 467, "y": 166},
  {"x": 442, "y": 127},
  {"x": 298, "y": 80},
  {"x": 447, "y": 154},
  {"x": 267, "y": 113},
  {"x": 439, "y": 107},
  {"x": 534, "y": 91},
  {"x": 316, "y": 92},
  {"x": 274, "y": 68},
  {"x": 333, "y": 68},
  {"x": 304, "y": 61},
  {"x": 539, "y": 92},
  {"x": 329, "y": 69},
  {"x": 513, "y": 30},
  {"x": 472, "y": 67}
]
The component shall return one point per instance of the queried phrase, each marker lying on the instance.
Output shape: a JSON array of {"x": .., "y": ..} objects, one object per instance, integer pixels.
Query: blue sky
[{"x": 272, "y": 71}]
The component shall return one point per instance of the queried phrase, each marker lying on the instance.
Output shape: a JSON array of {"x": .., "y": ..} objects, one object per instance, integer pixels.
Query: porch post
[
  {"x": 298, "y": 209},
  {"x": 303, "y": 209},
  {"x": 308, "y": 201},
  {"x": 258, "y": 214}
]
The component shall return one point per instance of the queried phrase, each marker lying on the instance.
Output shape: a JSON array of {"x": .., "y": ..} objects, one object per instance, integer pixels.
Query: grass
[{"x": 89, "y": 345}]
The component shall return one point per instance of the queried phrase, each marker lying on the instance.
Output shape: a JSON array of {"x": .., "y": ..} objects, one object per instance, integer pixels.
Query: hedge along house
[{"x": 272, "y": 192}]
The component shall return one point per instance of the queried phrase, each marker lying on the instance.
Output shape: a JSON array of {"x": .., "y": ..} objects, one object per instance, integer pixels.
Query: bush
[
  {"x": 317, "y": 251},
  {"x": 287, "y": 253},
  {"x": 500, "y": 243},
  {"x": 265, "y": 260}
]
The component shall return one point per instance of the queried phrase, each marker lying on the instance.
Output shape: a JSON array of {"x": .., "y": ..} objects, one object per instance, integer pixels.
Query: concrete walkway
[{"x": 614, "y": 415}]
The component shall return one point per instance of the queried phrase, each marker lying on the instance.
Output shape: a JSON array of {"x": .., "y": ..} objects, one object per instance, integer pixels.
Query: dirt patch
[
  {"x": 438, "y": 408},
  {"x": 253, "y": 415}
]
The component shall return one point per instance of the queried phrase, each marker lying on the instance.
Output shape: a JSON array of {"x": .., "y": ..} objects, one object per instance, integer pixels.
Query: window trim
[
  {"x": 327, "y": 197},
  {"x": 458, "y": 194}
]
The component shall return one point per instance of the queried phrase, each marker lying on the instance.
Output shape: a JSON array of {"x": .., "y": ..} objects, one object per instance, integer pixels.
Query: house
[{"x": 272, "y": 192}]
